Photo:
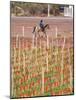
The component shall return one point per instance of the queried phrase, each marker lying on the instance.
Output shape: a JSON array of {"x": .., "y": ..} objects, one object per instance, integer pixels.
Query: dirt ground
[
  {"x": 63, "y": 24},
  {"x": 45, "y": 54}
]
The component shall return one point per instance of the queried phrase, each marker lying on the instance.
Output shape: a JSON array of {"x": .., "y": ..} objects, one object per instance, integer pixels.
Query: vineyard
[{"x": 41, "y": 67}]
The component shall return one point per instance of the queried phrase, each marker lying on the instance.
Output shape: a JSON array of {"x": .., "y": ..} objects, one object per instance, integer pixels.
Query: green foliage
[{"x": 33, "y": 9}]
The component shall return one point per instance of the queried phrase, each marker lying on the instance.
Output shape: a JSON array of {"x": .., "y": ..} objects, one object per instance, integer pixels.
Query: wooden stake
[
  {"x": 64, "y": 43},
  {"x": 40, "y": 43},
  {"x": 56, "y": 31},
  {"x": 57, "y": 38},
  {"x": 12, "y": 83},
  {"x": 19, "y": 53},
  {"x": 33, "y": 41},
  {"x": 52, "y": 44},
  {"x": 47, "y": 61},
  {"x": 70, "y": 67},
  {"x": 17, "y": 41},
  {"x": 47, "y": 42},
  {"x": 62, "y": 62},
  {"x": 36, "y": 50},
  {"x": 40, "y": 46},
  {"x": 69, "y": 55},
  {"x": 42, "y": 80},
  {"x": 57, "y": 43},
  {"x": 23, "y": 50},
  {"x": 23, "y": 30},
  {"x": 14, "y": 64},
  {"x": 71, "y": 78}
]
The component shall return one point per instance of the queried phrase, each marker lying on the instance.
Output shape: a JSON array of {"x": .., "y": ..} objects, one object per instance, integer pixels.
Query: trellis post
[
  {"x": 57, "y": 42},
  {"x": 33, "y": 41},
  {"x": 23, "y": 34},
  {"x": 36, "y": 50},
  {"x": 47, "y": 52},
  {"x": 62, "y": 62},
  {"x": 42, "y": 80},
  {"x": 70, "y": 68}
]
